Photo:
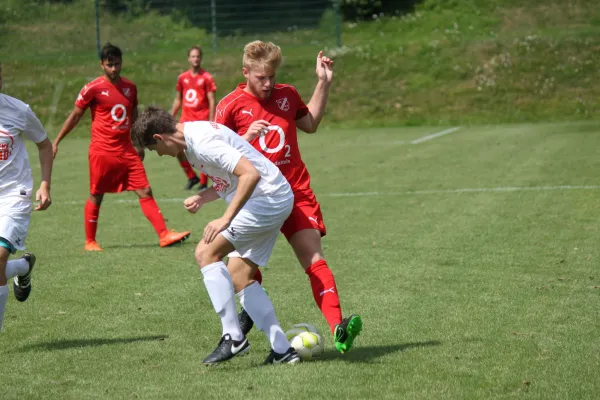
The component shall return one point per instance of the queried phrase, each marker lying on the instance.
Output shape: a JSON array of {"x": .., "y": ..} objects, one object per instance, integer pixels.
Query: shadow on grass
[
  {"x": 64, "y": 344},
  {"x": 370, "y": 353}
]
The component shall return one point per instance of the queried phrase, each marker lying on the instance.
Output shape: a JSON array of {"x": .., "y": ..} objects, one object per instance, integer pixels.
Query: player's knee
[
  {"x": 143, "y": 193},
  {"x": 204, "y": 256}
]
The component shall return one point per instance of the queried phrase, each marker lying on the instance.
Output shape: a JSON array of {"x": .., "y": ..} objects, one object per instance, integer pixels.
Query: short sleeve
[
  {"x": 33, "y": 127},
  {"x": 219, "y": 154},
  {"x": 209, "y": 84},
  {"x": 86, "y": 96},
  {"x": 301, "y": 108}
]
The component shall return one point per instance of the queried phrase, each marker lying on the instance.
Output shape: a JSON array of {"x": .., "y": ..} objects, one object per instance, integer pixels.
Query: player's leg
[
  {"x": 304, "y": 229},
  {"x": 91, "y": 213},
  {"x": 152, "y": 212},
  {"x": 4, "y": 253},
  {"x": 220, "y": 290},
  {"x": 193, "y": 179},
  {"x": 137, "y": 181},
  {"x": 102, "y": 168},
  {"x": 259, "y": 307}
]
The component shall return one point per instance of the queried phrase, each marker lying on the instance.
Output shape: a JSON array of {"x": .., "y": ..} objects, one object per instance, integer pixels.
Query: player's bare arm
[
  {"x": 248, "y": 177},
  {"x": 70, "y": 123},
  {"x": 176, "y": 104},
  {"x": 316, "y": 107},
  {"x": 212, "y": 105},
  {"x": 195, "y": 202},
  {"x": 46, "y": 159},
  {"x": 256, "y": 129}
]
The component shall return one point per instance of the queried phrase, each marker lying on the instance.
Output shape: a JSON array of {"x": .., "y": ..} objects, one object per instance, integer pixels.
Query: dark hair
[
  {"x": 195, "y": 48},
  {"x": 152, "y": 121},
  {"x": 110, "y": 52}
]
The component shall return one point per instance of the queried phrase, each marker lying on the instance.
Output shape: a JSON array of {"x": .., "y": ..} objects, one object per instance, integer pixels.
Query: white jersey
[
  {"x": 215, "y": 150},
  {"x": 17, "y": 121}
]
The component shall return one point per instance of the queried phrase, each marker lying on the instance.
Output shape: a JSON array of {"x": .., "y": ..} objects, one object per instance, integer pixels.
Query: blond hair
[{"x": 259, "y": 54}]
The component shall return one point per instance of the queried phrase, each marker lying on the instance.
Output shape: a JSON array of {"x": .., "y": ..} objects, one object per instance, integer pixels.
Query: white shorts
[
  {"x": 253, "y": 232},
  {"x": 14, "y": 221}
]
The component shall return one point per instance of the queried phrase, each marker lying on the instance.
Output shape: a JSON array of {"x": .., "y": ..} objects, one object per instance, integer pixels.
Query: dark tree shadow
[
  {"x": 64, "y": 344},
  {"x": 370, "y": 353}
]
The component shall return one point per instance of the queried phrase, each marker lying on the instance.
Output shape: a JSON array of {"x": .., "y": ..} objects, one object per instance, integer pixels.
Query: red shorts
[
  {"x": 306, "y": 214},
  {"x": 111, "y": 173}
]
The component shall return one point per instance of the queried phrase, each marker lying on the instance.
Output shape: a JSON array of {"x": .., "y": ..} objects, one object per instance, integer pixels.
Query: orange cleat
[
  {"x": 92, "y": 246},
  {"x": 171, "y": 237}
]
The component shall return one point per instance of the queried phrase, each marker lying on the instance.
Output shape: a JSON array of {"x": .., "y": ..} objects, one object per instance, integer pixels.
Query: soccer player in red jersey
[
  {"x": 267, "y": 115},
  {"x": 196, "y": 96},
  {"x": 115, "y": 165}
]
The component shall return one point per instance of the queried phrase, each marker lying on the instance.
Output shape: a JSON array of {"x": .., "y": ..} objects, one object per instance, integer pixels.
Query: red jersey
[
  {"x": 194, "y": 91},
  {"x": 111, "y": 106},
  {"x": 239, "y": 109}
]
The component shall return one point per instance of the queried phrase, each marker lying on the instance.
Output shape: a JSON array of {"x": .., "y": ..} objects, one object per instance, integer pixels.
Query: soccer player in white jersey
[
  {"x": 18, "y": 122},
  {"x": 259, "y": 201}
]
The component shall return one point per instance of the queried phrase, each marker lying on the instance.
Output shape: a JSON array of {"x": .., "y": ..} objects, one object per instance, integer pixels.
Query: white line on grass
[
  {"x": 435, "y": 135},
  {"x": 501, "y": 189}
]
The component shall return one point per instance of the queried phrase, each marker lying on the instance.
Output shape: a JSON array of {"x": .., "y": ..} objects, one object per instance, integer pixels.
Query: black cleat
[
  {"x": 203, "y": 187},
  {"x": 289, "y": 357},
  {"x": 22, "y": 284},
  {"x": 246, "y": 322},
  {"x": 191, "y": 183},
  {"x": 227, "y": 349}
]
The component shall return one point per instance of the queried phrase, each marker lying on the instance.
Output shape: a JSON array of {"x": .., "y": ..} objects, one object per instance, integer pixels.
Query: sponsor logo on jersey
[{"x": 283, "y": 104}]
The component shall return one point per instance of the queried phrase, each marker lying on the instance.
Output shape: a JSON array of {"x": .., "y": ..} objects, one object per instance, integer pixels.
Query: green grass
[
  {"x": 489, "y": 294},
  {"x": 449, "y": 62}
]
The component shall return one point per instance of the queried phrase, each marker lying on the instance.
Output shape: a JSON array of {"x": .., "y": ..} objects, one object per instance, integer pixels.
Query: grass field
[{"x": 472, "y": 257}]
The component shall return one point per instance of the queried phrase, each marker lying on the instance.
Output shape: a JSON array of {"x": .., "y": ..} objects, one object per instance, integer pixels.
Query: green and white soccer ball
[{"x": 306, "y": 340}]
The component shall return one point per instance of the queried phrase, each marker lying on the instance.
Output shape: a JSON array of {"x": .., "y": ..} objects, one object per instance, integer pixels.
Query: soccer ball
[{"x": 306, "y": 340}]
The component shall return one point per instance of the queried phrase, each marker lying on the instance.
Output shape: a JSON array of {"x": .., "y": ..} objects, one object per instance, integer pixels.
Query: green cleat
[{"x": 346, "y": 332}]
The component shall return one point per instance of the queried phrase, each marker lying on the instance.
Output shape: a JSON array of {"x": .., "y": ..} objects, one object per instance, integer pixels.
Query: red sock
[
  {"x": 187, "y": 168},
  {"x": 258, "y": 276},
  {"x": 203, "y": 179},
  {"x": 90, "y": 216},
  {"x": 152, "y": 212},
  {"x": 325, "y": 292}
]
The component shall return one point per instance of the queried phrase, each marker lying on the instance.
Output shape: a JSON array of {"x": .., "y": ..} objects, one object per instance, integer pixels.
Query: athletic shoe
[
  {"x": 202, "y": 187},
  {"x": 246, "y": 322},
  {"x": 171, "y": 237},
  {"x": 22, "y": 284},
  {"x": 289, "y": 357},
  {"x": 191, "y": 183},
  {"x": 227, "y": 349},
  {"x": 346, "y": 332},
  {"x": 92, "y": 245}
]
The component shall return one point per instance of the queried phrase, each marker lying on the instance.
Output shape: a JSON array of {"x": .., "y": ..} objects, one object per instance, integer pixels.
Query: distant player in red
[
  {"x": 196, "y": 96},
  {"x": 115, "y": 165},
  {"x": 267, "y": 115}
]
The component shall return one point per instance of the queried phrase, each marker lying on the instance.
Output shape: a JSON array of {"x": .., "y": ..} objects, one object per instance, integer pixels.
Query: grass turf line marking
[
  {"x": 501, "y": 189},
  {"x": 435, "y": 135}
]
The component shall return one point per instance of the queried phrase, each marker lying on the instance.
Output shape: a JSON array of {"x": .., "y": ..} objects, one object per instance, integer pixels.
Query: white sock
[
  {"x": 259, "y": 307},
  {"x": 220, "y": 289},
  {"x": 3, "y": 299},
  {"x": 20, "y": 267}
]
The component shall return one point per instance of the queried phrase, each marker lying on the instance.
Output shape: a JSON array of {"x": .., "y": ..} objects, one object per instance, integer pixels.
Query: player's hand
[
  {"x": 193, "y": 203},
  {"x": 54, "y": 150},
  {"x": 256, "y": 129},
  {"x": 214, "y": 228},
  {"x": 324, "y": 68},
  {"x": 42, "y": 196}
]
